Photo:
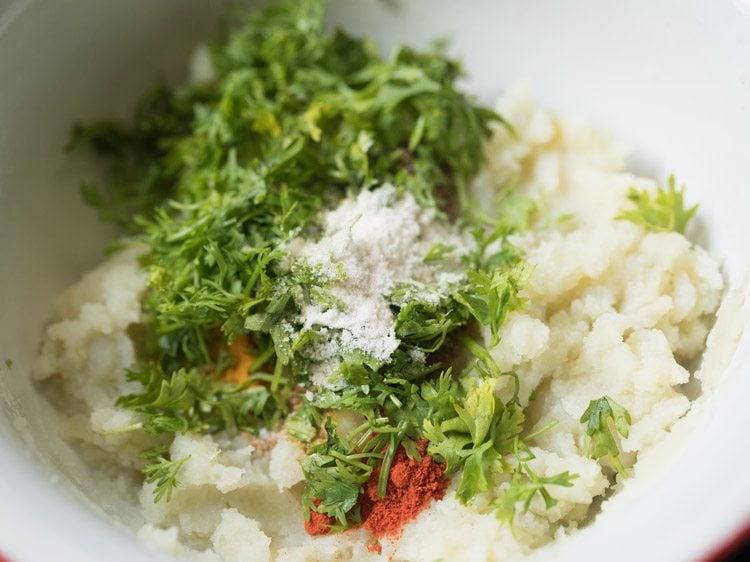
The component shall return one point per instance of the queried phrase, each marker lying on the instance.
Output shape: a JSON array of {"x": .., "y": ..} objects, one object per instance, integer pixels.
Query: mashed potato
[{"x": 613, "y": 310}]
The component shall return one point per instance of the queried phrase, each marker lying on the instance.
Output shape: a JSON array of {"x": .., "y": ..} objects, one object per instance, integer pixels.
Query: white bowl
[{"x": 670, "y": 78}]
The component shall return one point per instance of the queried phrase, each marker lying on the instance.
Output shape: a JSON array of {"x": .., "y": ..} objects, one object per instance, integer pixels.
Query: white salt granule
[{"x": 376, "y": 239}]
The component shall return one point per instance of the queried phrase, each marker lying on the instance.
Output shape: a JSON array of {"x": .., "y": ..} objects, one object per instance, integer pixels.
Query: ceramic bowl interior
[{"x": 671, "y": 79}]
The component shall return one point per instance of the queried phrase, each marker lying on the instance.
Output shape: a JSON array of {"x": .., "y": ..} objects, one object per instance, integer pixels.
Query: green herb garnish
[
  {"x": 524, "y": 485},
  {"x": 663, "y": 211},
  {"x": 600, "y": 441},
  {"x": 188, "y": 400},
  {"x": 478, "y": 430},
  {"x": 162, "y": 472}
]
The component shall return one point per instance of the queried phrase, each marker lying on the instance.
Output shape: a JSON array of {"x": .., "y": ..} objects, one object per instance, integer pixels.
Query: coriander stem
[
  {"x": 539, "y": 432},
  {"x": 348, "y": 460},
  {"x": 123, "y": 429}
]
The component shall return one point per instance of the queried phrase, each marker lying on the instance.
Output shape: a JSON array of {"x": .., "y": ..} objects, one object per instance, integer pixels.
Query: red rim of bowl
[{"x": 729, "y": 546}]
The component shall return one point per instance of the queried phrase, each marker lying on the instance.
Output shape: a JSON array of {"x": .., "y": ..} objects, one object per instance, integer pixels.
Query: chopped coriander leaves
[
  {"x": 473, "y": 432},
  {"x": 663, "y": 211},
  {"x": 217, "y": 179},
  {"x": 183, "y": 401},
  {"x": 334, "y": 474},
  {"x": 600, "y": 417}
]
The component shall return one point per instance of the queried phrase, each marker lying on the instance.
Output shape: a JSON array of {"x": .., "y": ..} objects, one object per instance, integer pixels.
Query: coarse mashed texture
[{"x": 613, "y": 309}]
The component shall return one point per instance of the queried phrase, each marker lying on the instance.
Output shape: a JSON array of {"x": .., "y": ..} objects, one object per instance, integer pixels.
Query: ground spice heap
[
  {"x": 372, "y": 242},
  {"x": 412, "y": 484}
]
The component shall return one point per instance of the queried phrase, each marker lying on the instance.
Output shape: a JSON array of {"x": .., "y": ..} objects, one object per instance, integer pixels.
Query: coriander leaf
[
  {"x": 304, "y": 423},
  {"x": 663, "y": 211},
  {"x": 451, "y": 448},
  {"x": 478, "y": 409},
  {"x": 524, "y": 485},
  {"x": 426, "y": 315},
  {"x": 161, "y": 471},
  {"x": 477, "y": 472},
  {"x": 489, "y": 297},
  {"x": 508, "y": 426},
  {"x": 600, "y": 441},
  {"x": 472, "y": 434}
]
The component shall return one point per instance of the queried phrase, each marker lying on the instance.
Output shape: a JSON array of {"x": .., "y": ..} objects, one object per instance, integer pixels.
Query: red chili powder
[
  {"x": 319, "y": 523},
  {"x": 411, "y": 486}
]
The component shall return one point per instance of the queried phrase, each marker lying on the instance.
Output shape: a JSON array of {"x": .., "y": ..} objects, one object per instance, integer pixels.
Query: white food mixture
[{"x": 613, "y": 310}]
